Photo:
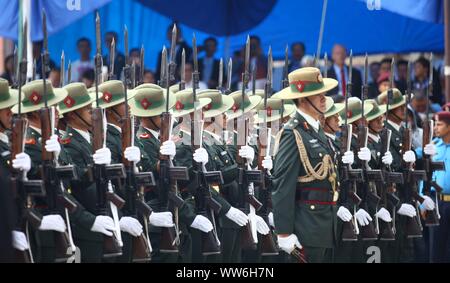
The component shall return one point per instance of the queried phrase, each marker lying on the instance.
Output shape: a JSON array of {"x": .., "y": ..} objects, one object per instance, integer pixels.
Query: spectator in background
[
  {"x": 135, "y": 57},
  {"x": 181, "y": 44},
  {"x": 258, "y": 59},
  {"x": 88, "y": 78},
  {"x": 307, "y": 61},
  {"x": 55, "y": 77},
  {"x": 421, "y": 77},
  {"x": 339, "y": 71},
  {"x": 374, "y": 69},
  {"x": 119, "y": 58},
  {"x": 209, "y": 66},
  {"x": 85, "y": 62},
  {"x": 189, "y": 69},
  {"x": 8, "y": 74},
  {"x": 37, "y": 51},
  {"x": 149, "y": 77},
  {"x": 383, "y": 82},
  {"x": 297, "y": 51}
]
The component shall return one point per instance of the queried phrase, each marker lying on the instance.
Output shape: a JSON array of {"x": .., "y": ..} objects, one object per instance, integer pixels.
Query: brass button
[
  {"x": 400, "y": 144},
  {"x": 226, "y": 161},
  {"x": 320, "y": 154},
  {"x": 338, "y": 183},
  {"x": 312, "y": 207},
  {"x": 378, "y": 153}
]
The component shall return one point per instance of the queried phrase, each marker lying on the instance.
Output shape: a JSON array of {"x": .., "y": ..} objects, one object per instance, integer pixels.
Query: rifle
[
  {"x": 52, "y": 173},
  {"x": 220, "y": 78},
  {"x": 285, "y": 81},
  {"x": 15, "y": 70},
  {"x": 373, "y": 178},
  {"x": 112, "y": 246},
  {"x": 69, "y": 72},
  {"x": 431, "y": 216},
  {"x": 23, "y": 189},
  {"x": 204, "y": 203},
  {"x": 268, "y": 245},
  {"x": 172, "y": 64},
  {"x": 325, "y": 62},
  {"x": 112, "y": 55},
  {"x": 182, "y": 84},
  {"x": 410, "y": 175},
  {"x": 349, "y": 175},
  {"x": 229, "y": 74},
  {"x": 142, "y": 66},
  {"x": 62, "y": 81},
  {"x": 249, "y": 204},
  {"x": 135, "y": 181},
  {"x": 169, "y": 174}
]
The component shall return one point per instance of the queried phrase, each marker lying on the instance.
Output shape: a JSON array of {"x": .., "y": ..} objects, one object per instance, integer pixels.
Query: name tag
[
  {"x": 6, "y": 153},
  {"x": 313, "y": 141}
]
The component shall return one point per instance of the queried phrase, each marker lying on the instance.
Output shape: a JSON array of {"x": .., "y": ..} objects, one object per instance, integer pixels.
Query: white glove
[
  {"x": 161, "y": 219},
  {"x": 102, "y": 156},
  {"x": 53, "y": 222},
  {"x": 247, "y": 152},
  {"x": 288, "y": 243},
  {"x": 237, "y": 216},
  {"x": 168, "y": 148},
  {"x": 407, "y": 210},
  {"x": 409, "y": 156},
  {"x": 384, "y": 215},
  {"x": 428, "y": 203},
  {"x": 52, "y": 145},
  {"x": 363, "y": 217},
  {"x": 344, "y": 214},
  {"x": 430, "y": 149},
  {"x": 270, "y": 217},
  {"x": 22, "y": 162},
  {"x": 267, "y": 163},
  {"x": 387, "y": 158},
  {"x": 364, "y": 154},
  {"x": 130, "y": 225},
  {"x": 103, "y": 224},
  {"x": 202, "y": 223},
  {"x": 19, "y": 241},
  {"x": 200, "y": 155},
  {"x": 261, "y": 225},
  {"x": 348, "y": 157},
  {"x": 132, "y": 154}
]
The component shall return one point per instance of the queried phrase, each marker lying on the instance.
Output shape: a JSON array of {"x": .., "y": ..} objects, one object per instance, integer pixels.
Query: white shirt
[
  {"x": 84, "y": 134},
  {"x": 36, "y": 129},
  {"x": 117, "y": 127},
  {"x": 214, "y": 136},
  {"x": 79, "y": 67},
  {"x": 4, "y": 138},
  {"x": 201, "y": 85},
  {"x": 310, "y": 120},
  {"x": 395, "y": 125},
  {"x": 154, "y": 133},
  {"x": 376, "y": 138},
  {"x": 331, "y": 136}
]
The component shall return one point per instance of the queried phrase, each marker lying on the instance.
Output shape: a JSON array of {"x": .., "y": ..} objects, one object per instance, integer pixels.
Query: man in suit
[
  {"x": 340, "y": 72},
  {"x": 181, "y": 44},
  {"x": 209, "y": 66}
]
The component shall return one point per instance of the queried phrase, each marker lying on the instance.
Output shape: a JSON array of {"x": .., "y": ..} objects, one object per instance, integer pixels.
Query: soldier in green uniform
[
  {"x": 148, "y": 104},
  {"x": 404, "y": 250},
  {"x": 88, "y": 233},
  {"x": 304, "y": 178}
]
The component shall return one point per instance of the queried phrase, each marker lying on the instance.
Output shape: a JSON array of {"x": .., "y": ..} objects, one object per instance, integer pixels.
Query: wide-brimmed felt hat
[
  {"x": 306, "y": 82},
  {"x": 219, "y": 103},
  {"x": 354, "y": 110},
  {"x": 377, "y": 110},
  {"x": 250, "y": 102},
  {"x": 274, "y": 107},
  {"x": 77, "y": 97},
  {"x": 332, "y": 108},
  {"x": 184, "y": 103},
  {"x": 113, "y": 93},
  {"x": 150, "y": 100},
  {"x": 395, "y": 101},
  {"x": 8, "y": 96},
  {"x": 33, "y": 97}
]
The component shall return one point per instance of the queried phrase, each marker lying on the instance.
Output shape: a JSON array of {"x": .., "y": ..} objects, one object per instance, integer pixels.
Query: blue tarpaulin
[{"x": 370, "y": 26}]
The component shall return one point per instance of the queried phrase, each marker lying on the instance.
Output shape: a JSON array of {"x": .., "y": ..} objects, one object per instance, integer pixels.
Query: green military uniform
[{"x": 304, "y": 178}]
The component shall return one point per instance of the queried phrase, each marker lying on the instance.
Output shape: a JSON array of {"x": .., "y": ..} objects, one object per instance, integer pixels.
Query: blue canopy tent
[{"x": 364, "y": 26}]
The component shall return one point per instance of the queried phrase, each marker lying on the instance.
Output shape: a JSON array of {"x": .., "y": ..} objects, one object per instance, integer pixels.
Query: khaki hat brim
[
  {"x": 254, "y": 101},
  {"x": 12, "y": 100},
  {"x": 367, "y": 109},
  {"x": 202, "y": 102},
  {"x": 227, "y": 103},
  {"x": 60, "y": 95},
  {"x": 139, "y": 112},
  {"x": 287, "y": 93},
  {"x": 130, "y": 94},
  {"x": 289, "y": 109},
  {"x": 79, "y": 106},
  {"x": 336, "y": 108},
  {"x": 380, "y": 111}
]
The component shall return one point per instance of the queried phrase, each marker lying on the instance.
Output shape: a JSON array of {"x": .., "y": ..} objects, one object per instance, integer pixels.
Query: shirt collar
[
  {"x": 84, "y": 134},
  {"x": 331, "y": 136},
  {"x": 36, "y": 129},
  {"x": 214, "y": 136},
  {"x": 375, "y": 138},
  {"x": 4, "y": 138},
  {"x": 310, "y": 120},
  {"x": 154, "y": 133},
  {"x": 116, "y": 127},
  {"x": 395, "y": 125}
]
